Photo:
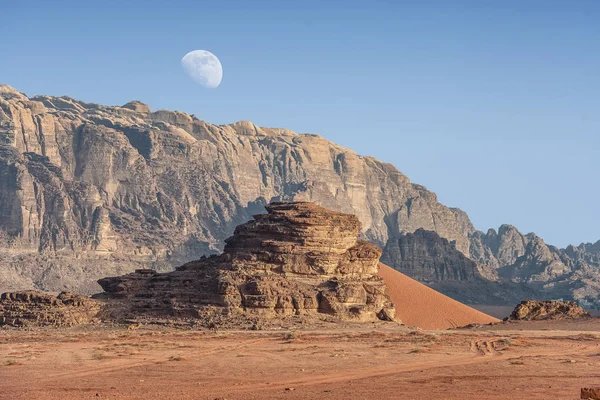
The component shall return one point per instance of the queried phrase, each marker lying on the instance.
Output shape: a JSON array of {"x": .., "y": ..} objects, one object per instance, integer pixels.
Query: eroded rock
[
  {"x": 540, "y": 310},
  {"x": 32, "y": 308},
  {"x": 88, "y": 191},
  {"x": 591, "y": 393},
  {"x": 299, "y": 259},
  {"x": 137, "y": 106}
]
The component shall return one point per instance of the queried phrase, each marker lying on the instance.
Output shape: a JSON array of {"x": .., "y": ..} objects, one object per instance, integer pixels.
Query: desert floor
[{"x": 507, "y": 361}]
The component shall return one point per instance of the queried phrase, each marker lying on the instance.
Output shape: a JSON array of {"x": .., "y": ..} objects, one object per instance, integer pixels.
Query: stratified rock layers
[
  {"x": 298, "y": 260},
  {"x": 88, "y": 191},
  {"x": 534, "y": 310},
  {"x": 31, "y": 308}
]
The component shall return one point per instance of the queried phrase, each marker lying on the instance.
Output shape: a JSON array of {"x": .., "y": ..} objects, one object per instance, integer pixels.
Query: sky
[{"x": 493, "y": 105}]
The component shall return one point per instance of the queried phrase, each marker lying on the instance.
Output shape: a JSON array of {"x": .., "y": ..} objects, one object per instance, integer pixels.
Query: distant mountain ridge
[{"x": 88, "y": 191}]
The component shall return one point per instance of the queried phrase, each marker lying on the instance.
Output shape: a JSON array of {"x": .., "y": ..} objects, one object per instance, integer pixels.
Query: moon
[{"x": 203, "y": 67}]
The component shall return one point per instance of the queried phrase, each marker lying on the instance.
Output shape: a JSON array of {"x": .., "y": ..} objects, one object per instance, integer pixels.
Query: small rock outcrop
[
  {"x": 137, "y": 106},
  {"x": 532, "y": 310},
  {"x": 590, "y": 393},
  {"x": 31, "y": 308},
  {"x": 299, "y": 259}
]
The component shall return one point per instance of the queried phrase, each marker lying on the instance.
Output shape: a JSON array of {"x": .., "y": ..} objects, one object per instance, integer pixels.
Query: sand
[
  {"x": 388, "y": 362},
  {"x": 420, "y": 306}
]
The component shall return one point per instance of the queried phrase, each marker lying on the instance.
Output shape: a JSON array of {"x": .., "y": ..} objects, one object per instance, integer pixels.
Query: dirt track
[{"x": 381, "y": 363}]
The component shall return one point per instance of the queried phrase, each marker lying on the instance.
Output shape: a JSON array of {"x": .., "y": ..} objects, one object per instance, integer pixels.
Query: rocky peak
[
  {"x": 427, "y": 257},
  {"x": 539, "y": 262},
  {"x": 593, "y": 248},
  {"x": 9, "y": 90},
  {"x": 137, "y": 106},
  {"x": 511, "y": 244}
]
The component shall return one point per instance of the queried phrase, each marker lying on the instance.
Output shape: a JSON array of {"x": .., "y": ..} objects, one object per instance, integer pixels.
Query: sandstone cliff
[
  {"x": 88, "y": 191},
  {"x": 550, "y": 272},
  {"x": 118, "y": 188},
  {"x": 429, "y": 258}
]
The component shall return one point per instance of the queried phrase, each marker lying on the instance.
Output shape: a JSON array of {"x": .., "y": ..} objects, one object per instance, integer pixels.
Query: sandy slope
[{"x": 421, "y": 306}]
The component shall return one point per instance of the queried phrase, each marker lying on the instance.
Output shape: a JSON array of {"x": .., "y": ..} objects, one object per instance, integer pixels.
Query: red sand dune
[{"x": 420, "y": 306}]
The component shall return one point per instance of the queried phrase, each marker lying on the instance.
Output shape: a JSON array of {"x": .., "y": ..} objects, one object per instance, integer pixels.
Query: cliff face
[
  {"x": 434, "y": 260},
  {"x": 88, "y": 191},
  {"x": 571, "y": 273},
  {"x": 117, "y": 188},
  {"x": 427, "y": 257}
]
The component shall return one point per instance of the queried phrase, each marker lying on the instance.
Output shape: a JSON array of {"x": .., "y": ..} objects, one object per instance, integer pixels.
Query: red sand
[{"x": 420, "y": 306}]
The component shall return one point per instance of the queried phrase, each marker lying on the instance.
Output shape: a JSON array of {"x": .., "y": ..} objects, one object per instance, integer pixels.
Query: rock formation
[
  {"x": 88, "y": 191},
  {"x": 299, "y": 259},
  {"x": 122, "y": 188},
  {"x": 540, "y": 310},
  {"x": 527, "y": 261},
  {"x": 427, "y": 257},
  {"x": 30, "y": 308},
  {"x": 590, "y": 393}
]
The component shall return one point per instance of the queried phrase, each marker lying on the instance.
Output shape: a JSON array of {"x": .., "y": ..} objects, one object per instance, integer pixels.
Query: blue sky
[{"x": 493, "y": 105}]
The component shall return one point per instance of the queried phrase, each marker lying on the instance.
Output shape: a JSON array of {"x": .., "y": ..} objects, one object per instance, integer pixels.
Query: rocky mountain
[
  {"x": 434, "y": 260},
  {"x": 88, "y": 191},
  {"x": 572, "y": 273},
  {"x": 429, "y": 258}
]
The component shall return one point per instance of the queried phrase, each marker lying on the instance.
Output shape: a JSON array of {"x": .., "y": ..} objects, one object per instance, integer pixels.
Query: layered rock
[
  {"x": 549, "y": 272},
  {"x": 88, "y": 191},
  {"x": 429, "y": 258},
  {"x": 541, "y": 310},
  {"x": 299, "y": 259},
  {"x": 157, "y": 189},
  {"x": 31, "y": 308}
]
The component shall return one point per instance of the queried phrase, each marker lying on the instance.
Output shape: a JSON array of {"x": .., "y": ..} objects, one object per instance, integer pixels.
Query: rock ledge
[{"x": 32, "y": 308}]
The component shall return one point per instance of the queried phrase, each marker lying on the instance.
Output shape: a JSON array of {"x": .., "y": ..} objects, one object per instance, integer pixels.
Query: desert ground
[{"x": 537, "y": 360}]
